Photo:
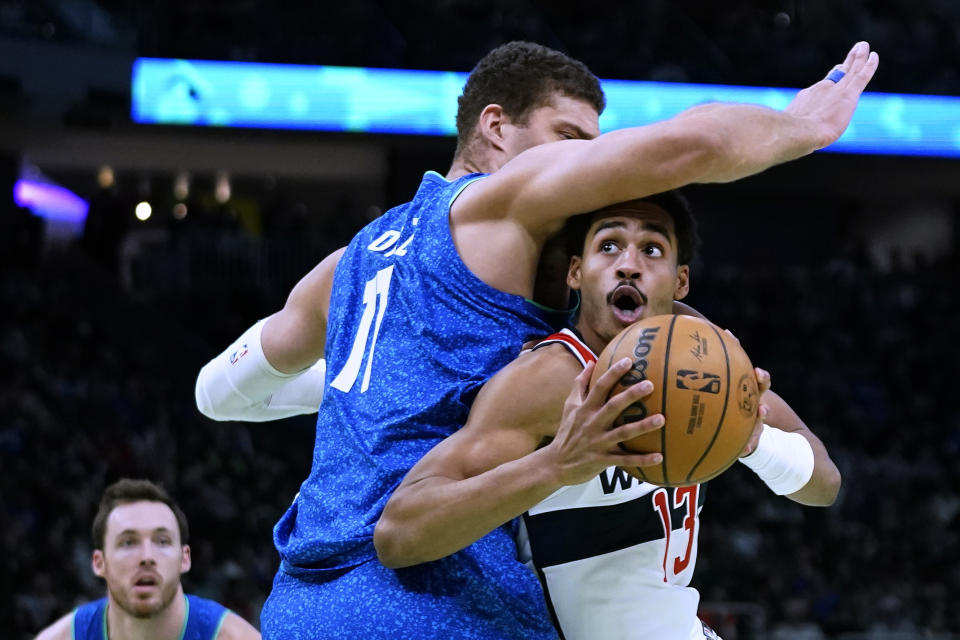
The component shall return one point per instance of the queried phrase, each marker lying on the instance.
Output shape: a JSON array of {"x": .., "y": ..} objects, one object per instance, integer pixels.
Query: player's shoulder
[
  {"x": 549, "y": 370},
  {"x": 59, "y": 630},
  {"x": 527, "y": 394},
  {"x": 236, "y": 628}
]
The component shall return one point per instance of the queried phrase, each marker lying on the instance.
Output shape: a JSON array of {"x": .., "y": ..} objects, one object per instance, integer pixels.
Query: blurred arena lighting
[
  {"x": 143, "y": 211},
  {"x": 355, "y": 99},
  {"x": 181, "y": 185},
  {"x": 179, "y": 211},
  {"x": 50, "y": 201},
  {"x": 221, "y": 189},
  {"x": 105, "y": 177}
]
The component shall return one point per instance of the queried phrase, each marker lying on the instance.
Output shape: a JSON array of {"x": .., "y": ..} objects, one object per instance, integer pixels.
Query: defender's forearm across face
[{"x": 717, "y": 142}]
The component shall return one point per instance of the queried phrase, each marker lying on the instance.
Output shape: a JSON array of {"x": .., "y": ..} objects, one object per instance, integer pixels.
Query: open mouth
[
  {"x": 627, "y": 303},
  {"x": 146, "y": 581}
]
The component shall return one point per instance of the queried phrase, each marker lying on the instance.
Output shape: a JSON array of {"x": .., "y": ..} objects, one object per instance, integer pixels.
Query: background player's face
[
  {"x": 142, "y": 558},
  {"x": 563, "y": 118},
  {"x": 628, "y": 270}
]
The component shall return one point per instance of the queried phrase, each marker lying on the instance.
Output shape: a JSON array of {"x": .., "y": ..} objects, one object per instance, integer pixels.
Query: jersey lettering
[
  {"x": 661, "y": 504},
  {"x": 663, "y": 510},
  {"x": 686, "y": 495},
  {"x": 374, "y": 303},
  {"x": 617, "y": 476},
  {"x": 387, "y": 240}
]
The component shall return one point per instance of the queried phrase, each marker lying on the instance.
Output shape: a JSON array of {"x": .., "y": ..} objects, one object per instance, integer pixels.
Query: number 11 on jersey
[{"x": 374, "y": 303}]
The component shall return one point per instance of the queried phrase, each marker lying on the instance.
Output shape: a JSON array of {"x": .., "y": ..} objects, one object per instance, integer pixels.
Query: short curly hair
[
  {"x": 125, "y": 491},
  {"x": 520, "y": 77}
]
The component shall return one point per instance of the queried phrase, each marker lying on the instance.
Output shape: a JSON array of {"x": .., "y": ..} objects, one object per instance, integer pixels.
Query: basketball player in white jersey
[
  {"x": 615, "y": 555},
  {"x": 432, "y": 298}
]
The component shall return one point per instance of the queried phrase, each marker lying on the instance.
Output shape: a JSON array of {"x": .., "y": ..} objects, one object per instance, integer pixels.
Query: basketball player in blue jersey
[
  {"x": 140, "y": 539},
  {"x": 615, "y": 555},
  {"x": 432, "y": 298}
]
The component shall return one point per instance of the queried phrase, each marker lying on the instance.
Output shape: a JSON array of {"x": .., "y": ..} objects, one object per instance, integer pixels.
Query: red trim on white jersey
[
  {"x": 646, "y": 553},
  {"x": 573, "y": 343}
]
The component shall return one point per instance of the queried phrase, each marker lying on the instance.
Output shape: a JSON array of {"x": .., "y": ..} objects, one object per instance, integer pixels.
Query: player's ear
[
  {"x": 97, "y": 562},
  {"x": 682, "y": 286},
  {"x": 185, "y": 560},
  {"x": 490, "y": 125},
  {"x": 573, "y": 273}
]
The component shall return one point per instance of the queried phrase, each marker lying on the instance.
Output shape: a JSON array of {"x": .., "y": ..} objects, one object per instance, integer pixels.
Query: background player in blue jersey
[
  {"x": 615, "y": 555},
  {"x": 432, "y": 298},
  {"x": 140, "y": 550}
]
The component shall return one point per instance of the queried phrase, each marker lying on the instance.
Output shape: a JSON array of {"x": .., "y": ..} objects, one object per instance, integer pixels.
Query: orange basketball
[{"x": 705, "y": 387}]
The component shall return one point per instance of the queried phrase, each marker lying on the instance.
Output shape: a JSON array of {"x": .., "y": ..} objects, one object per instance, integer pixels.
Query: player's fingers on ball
[
  {"x": 619, "y": 402},
  {"x": 634, "y": 392},
  {"x": 579, "y": 390},
  {"x": 583, "y": 380},
  {"x": 763, "y": 379},
  {"x": 631, "y": 430},
  {"x": 754, "y": 438},
  {"x": 641, "y": 460},
  {"x": 608, "y": 379},
  {"x": 751, "y": 443}
]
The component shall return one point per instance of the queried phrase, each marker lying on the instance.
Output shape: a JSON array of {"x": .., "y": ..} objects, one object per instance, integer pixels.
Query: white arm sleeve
[
  {"x": 783, "y": 459},
  {"x": 239, "y": 384}
]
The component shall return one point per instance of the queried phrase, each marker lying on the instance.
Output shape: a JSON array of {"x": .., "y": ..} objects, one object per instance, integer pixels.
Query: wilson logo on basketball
[
  {"x": 644, "y": 344},
  {"x": 698, "y": 381}
]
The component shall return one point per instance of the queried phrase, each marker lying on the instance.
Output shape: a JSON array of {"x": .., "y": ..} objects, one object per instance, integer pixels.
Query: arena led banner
[{"x": 353, "y": 99}]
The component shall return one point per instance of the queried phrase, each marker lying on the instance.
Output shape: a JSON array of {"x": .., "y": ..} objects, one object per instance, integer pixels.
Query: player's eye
[
  {"x": 164, "y": 541},
  {"x": 653, "y": 250},
  {"x": 608, "y": 247},
  {"x": 566, "y": 135}
]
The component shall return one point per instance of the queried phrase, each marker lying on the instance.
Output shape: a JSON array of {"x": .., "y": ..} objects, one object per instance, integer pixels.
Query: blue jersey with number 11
[{"x": 412, "y": 335}]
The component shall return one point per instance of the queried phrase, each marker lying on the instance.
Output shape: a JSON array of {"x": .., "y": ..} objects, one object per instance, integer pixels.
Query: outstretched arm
[
  {"x": 491, "y": 470},
  {"x": 708, "y": 143},
  {"x": 275, "y": 369}
]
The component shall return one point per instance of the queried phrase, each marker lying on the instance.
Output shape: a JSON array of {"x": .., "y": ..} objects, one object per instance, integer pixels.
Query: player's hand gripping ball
[{"x": 705, "y": 387}]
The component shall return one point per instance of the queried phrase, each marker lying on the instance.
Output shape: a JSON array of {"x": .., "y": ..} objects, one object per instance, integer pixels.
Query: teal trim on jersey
[
  {"x": 544, "y": 307},
  {"x": 466, "y": 184},
  {"x": 457, "y": 193},
  {"x": 183, "y": 629},
  {"x": 186, "y": 616},
  {"x": 223, "y": 618}
]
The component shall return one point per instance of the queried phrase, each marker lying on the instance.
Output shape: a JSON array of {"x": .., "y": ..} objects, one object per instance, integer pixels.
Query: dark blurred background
[{"x": 839, "y": 274}]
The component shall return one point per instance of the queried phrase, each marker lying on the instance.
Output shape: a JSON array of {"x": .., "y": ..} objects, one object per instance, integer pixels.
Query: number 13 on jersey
[{"x": 374, "y": 304}]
